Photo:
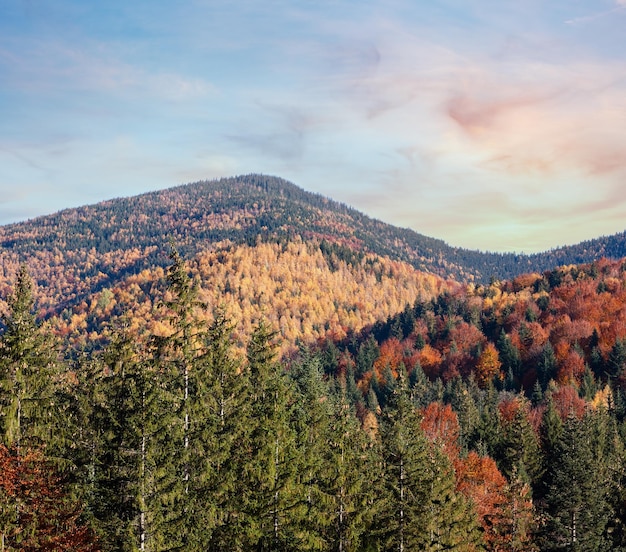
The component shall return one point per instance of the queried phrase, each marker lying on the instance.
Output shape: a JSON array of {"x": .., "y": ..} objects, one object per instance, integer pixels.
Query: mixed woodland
[
  {"x": 487, "y": 417},
  {"x": 75, "y": 252},
  {"x": 290, "y": 375}
]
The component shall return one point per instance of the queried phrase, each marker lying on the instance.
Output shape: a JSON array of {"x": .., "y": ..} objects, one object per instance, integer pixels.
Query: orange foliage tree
[
  {"x": 390, "y": 356},
  {"x": 505, "y": 510},
  {"x": 479, "y": 479},
  {"x": 430, "y": 360},
  {"x": 441, "y": 425},
  {"x": 488, "y": 365}
]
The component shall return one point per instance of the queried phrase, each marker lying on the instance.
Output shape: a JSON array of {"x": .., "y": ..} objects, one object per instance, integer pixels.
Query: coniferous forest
[{"x": 480, "y": 418}]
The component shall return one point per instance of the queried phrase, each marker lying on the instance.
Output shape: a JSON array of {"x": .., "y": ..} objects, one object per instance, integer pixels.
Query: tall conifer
[
  {"x": 27, "y": 373},
  {"x": 407, "y": 476},
  {"x": 271, "y": 500},
  {"x": 577, "y": 498}
]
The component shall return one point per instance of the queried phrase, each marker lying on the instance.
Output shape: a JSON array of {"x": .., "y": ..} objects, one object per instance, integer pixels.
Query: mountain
[{"x": 78, "y": 254}]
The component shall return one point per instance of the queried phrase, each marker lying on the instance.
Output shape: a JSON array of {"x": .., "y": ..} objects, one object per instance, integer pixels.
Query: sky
[{"x": 496, "y": 125}]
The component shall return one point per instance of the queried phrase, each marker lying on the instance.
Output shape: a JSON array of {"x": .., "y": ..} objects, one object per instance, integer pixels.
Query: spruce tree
[
  {"x": 115, "y": 450},
  {"x": 519, "y": 448},
  {"x": 350, "y": 460},
  {"x": 577, "y": 499},
  {"x": 127, "y": 476},
  {"x": 220, "y": 428},
  {"x": 28, "y": 375},
  {"x": 510, "y": 357},
  {"x": 488, "y": 432},
  {"x": 407, "y": 478},
  {"x": 173, "y": 360},
  {"x": 452, "y": 523},
  {"x": 270, "y": 497},
  {"x": 311, "y": 417}
]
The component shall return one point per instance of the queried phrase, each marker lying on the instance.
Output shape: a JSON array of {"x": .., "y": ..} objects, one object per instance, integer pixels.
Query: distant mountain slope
[{"x": 78, "y": 251}]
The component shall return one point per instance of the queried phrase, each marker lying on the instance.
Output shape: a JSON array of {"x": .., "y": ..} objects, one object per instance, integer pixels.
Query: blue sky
[{"x": 494, "y": 125}]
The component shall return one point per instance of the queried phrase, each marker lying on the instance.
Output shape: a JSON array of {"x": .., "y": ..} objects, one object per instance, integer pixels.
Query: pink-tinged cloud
[
  {"x": 475, "y": 115},
  {"x": 576, "y": 121}
]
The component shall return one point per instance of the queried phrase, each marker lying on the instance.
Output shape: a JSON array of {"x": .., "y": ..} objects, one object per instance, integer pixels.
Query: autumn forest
[{"x": 237, "y": 379}]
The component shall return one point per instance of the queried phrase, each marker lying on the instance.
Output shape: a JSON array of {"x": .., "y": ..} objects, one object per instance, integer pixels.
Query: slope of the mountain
[
  {"x": 304, "y": 293},
  {"x": 78, "y": 251},
  {"x": 565, "y": 328}
]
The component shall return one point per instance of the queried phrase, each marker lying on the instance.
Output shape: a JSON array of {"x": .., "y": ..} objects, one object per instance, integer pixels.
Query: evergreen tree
[
  {"x": 311, "y": 419},
  {"x": 452, "y": 523},
  {"x": 350, "y": 458},
  {"x": 28, "y": 375},
  {"x": 174, "y": 359},
  {"x": 546, "y": 368},
  {"x": 130, "y": 476},
  {"x": 616, "y": 528},
  {"x": 353, "y": 392},
  {"x": 462, "y": 402},
  {"x": 509, "y": 357},
  {"x": 589, "y": 385},
  {"x": 366, "y": 356},
  {"x": 402, "y": 521},
  {"x": 220, "y": 424},
  {"x": 270, "y": 496},
  {"x": 487, "y": 436},
  {"x": 120, "y": 446},
  {"x": 577, "y": 498},
  {"x": 519, "y": 449},
  {"x": 616, "y": 360}
]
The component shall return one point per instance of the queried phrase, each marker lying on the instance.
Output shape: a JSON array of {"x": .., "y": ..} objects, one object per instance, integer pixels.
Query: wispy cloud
[
  {"x": 619, "y": 5},
  {"x": 56, "y": 67}
]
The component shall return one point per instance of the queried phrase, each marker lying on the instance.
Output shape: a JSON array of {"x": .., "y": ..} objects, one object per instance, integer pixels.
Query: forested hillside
[
  {"x": 484, "y": 417},
  {"x": 77, "y": 252},
  {"x": 306, "y": 291}
]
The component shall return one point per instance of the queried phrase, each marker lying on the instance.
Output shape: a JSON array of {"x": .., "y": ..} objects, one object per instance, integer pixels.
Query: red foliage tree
[
  {"x": 479, "y": 479},
  {"x": 441, "y": 425},
  {"x": 567, "y": 402},
  {"x": 571, "y": 369},
  {"x": 430, "y": 360},
  {"x": 35, "y": 513}
]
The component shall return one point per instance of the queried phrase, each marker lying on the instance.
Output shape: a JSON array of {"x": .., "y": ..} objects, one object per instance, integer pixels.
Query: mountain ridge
[{"x": 245, "y": 207}]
